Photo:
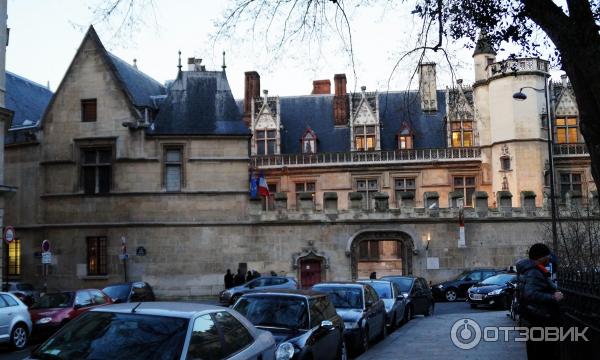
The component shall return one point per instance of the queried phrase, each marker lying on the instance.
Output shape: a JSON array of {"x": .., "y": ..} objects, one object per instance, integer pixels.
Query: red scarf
[{"x": 543, "y": 268}]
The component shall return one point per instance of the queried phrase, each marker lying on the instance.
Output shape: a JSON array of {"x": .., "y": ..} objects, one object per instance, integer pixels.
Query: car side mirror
[{"x": 326, "y": 324}]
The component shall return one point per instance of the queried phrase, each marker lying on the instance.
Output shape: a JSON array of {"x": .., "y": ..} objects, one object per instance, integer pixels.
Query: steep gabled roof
[
  {"x": 199, "y": 103},
  {"x": 136, "y": 86},
  {"x": 27, "y": 99}
]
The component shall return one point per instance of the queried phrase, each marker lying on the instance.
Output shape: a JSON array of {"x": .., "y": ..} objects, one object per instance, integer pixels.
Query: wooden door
[{"x": 310, "y": 273}]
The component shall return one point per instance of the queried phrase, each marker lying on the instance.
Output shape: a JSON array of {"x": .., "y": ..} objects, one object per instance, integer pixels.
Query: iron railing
[
  {"x": 566, "y": 150},
  {"x": 366, "y": 157}
]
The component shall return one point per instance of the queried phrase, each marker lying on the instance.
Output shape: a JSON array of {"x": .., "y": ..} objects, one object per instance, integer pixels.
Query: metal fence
[{"x": 580, "y": 308}]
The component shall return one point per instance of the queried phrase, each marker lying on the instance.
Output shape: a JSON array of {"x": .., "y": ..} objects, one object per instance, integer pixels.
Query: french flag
[{"x": 263, "y": 187}]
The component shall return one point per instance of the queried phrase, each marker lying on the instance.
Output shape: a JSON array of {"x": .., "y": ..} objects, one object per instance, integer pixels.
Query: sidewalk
[{"x": 429, "y": 338}]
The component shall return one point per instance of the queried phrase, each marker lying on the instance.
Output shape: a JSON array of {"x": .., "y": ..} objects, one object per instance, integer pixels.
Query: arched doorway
[
  {"x": 383, "y": 252},
  {"x": 311, "y": 266}
]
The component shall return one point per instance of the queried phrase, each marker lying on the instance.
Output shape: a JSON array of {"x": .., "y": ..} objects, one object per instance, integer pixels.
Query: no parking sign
[{"x": 9, "y": 234}]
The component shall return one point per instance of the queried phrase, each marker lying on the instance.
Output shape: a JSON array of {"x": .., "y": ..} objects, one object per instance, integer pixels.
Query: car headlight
[
  {"x": 351, "y": 325},
  {"x": 496, "y": 292},
  {"x": 285, "y": 351},
  {"x": 440, "y": 286},
  {"x": 44, "y": 320}
]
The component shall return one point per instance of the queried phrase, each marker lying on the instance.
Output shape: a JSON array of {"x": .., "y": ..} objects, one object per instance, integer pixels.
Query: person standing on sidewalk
[
  {"x": 538, "y": 301},
  {"x": 228, "y": 279}
]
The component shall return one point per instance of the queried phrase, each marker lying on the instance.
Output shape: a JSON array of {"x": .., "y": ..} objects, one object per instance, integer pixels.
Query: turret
[{"x": 483, "y": 56}]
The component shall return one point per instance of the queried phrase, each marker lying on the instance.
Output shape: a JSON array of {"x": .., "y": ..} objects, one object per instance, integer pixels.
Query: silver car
[
  {"x": 158, "y": 330},
  {"x": 230, "y": 296},
  {"x": 15, "y": 323},
  {"x": 392, "y": 297}
]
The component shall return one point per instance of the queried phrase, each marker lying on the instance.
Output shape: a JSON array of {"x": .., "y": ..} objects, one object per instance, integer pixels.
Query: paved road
[
  {"x": 429, "y": 337},
  {"x": 422, "y": 338}
]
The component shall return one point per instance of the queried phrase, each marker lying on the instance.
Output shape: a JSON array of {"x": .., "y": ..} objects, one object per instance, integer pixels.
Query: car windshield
[
  {"x": 276, "y": 311},
  {"x": 384, "y": 290},
  {"x": 120, "y": 292},
  {"x": 25, "y": 287},
  {"x": 404, "y": 282},
  {"x": 348, "y": 297},
  {"x": 56, "y": 300},
  {"x": 463, "y": 275},
  {"x": 105, "y": 335},
  {"x": 499, "y": 279}
]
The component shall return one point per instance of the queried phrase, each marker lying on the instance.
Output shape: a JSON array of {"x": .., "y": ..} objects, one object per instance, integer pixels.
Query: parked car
[
  {"x": 137, "y": 291},
  {"x": 15, "y": 322},
  {"x": 416, "y": 292},
  {"x": 456, "y": 288},
  {"x": 230, "y": 296},
  {"x": 158, "y": 330},
  {"x": 392, "y": 297},
  {"x": 24, "y": 291},
  {"x": 361, "y": 309},
  {"x": 496, "y": 290},
  {"x": 304, "y": 323},
  {"x": 53, "y": 310}
]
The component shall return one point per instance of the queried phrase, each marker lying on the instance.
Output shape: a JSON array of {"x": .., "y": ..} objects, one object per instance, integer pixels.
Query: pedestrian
[
  {"x": 228, "y": 279},
  {"x": 373, "y": 275},
  {"x": 255, "y": 274},
  {"x": 538, "y": 300},
  {"x": 239, "y": 278},
  {"x": 273, "y": 273},
  {"x": 249, "y": 276}
]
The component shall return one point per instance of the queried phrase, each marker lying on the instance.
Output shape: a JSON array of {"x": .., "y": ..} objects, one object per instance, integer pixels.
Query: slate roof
[
  {"x": 483, "y": 46},
  {"x": 139, "y": 85},
  {"x": 316, "y": 112},
  {"x": 199, "y": 103},
  {"x": 27, "y": 99}
]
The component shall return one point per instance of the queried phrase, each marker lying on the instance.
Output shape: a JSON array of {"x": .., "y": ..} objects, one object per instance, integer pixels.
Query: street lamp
[{"x": 520, "y": 96}]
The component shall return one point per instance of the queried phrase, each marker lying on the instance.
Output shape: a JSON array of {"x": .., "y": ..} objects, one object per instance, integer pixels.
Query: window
[
  {"x": 364, "y": 138},
  {"x": 308, "y": 187},
  {"x": 266, "y": 141},
  {"x": 173, "y": 169},
  {"x": 96, "y": 169},
  {"x": 462, "y": 133},
  {"x": 205, "y": 342},
  {"x": 98, "y": 297},
  {"x": 405, "y": 142},
  {"x": 404, "y": 185},
  {"x": 88, "y": 110},
  {"x": 96, "y": 255},
  {"x": 309, "y": 142},
  {"x": 10, "y": 301},
  {"x": 566, "y": 131},
  {"x": 14, "y": 257},
  {"x": 505, "y": 163},
  {"x": 466, "y": 184},
  {"x": 83, "y": 299},
  {"x": 368, "y": 250},
  {"x": 235, "y": 336},
  {"x": 268, "y": 203},
  {"x": 570, "y": 182},
  {"x": 318, "y": 307},
  {"x": 368, "y": 188}
]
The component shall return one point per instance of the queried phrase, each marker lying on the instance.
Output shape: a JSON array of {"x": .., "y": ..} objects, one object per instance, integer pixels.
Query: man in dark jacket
[
  {"x": 239, "y": 278},
  {"x": 228, "y": 279},
  {"x": 538, "y": 300}
]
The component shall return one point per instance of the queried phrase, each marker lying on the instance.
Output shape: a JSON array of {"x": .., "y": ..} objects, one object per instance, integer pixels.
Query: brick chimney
[
  {"x": 321, "y": 87},
  {"x": 251, "y": 91},
  {"x": 340, "y": 101}
]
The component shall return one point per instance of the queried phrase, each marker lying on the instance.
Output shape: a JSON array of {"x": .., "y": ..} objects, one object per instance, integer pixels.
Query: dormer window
[
  {"x": 566, "y": 130},
  {"x": 364, "y": 138},
  {"x": 309, "y": 142},
  {"x": 266, "y": 141},
  {"x": 405, "y": 137}
]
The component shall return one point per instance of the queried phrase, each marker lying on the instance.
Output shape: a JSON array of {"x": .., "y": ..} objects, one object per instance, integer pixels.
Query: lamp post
[{"x": 521, "y": 96}]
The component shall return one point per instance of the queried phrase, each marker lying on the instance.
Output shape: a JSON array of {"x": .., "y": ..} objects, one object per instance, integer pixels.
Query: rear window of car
[
  {"x": 277, "y": 311},
  {"x": 384, "y": 290},
  {"x": 55, "y": 300},
  {"x": 120, "y": 292},
  {"x": 106, "y": 335},
  {"x": 404, "y": 283},
  {"x": 343, "y": 297}
]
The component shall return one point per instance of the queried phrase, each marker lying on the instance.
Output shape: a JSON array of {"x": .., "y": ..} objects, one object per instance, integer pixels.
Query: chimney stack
[
  {"x": 341, "y": 111},
  {"x": 428, "y": 87},
  {"x": 321, "y": 87},
  {"x": 251, "y": 91},
  {"x": 195, "y": 64}
]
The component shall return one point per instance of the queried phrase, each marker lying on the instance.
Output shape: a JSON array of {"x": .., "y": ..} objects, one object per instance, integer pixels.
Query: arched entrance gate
[{"x": 383, "y": 252}]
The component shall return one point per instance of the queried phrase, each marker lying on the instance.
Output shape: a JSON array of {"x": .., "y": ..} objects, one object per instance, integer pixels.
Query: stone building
[{"x": 361, "y": 182}]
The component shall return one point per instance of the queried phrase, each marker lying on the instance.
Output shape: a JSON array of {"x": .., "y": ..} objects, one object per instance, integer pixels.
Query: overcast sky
[{"x": 44, "y": 36}]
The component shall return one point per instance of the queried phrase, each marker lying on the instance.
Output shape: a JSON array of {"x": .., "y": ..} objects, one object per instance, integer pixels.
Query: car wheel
[
  {"x": 473, "y": 306},
  {"x": 19, "y": 337},
  {"x": 342, "y": 353},
  {"x": 430, "y": 309},
  {"x": 450, "y": 295}
]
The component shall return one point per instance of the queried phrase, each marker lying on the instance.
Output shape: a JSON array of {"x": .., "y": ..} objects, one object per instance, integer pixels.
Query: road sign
[
  {"x": 45, "y": 246},
  {"x": 46, "y": 257},
  {"x": 9, "y": 234}
]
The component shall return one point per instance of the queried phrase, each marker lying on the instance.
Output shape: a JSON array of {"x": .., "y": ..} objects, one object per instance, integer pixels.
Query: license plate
[{"x": 476, "y": 296}]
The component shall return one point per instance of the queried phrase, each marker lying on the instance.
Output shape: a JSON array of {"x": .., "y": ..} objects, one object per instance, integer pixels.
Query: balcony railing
[
  {"x": 517, "y": 65},
  {"x": 366, "y": 157},
  {"x": 570, "y": 150}
]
